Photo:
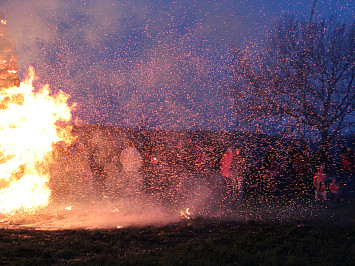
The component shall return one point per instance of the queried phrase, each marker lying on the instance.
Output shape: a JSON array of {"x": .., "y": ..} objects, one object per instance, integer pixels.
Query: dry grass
[{"x": 324, "y": 240}]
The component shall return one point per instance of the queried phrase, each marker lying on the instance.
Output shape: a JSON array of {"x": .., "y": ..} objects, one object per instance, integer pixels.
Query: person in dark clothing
[
  {"x": 98, "y": 171},
  {"x": 271, "y": 166},
  {"x": 148, "y": 166},
  {"x": 346, "y": 172},
  {"x": 321, "y": 156},
  {"x": 301, "y": 170},
  {"x": 178, "y": 157}
]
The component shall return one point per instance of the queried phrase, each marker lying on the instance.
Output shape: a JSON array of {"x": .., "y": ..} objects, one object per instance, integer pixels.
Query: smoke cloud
[{"x": 159, "y": 64}]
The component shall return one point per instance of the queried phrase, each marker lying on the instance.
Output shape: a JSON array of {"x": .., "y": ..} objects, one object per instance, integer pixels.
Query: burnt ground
[{"x": 326, "y": 239}]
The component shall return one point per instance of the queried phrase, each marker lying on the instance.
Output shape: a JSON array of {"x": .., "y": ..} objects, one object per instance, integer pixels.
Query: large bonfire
[{"x": 31, "y": 121}]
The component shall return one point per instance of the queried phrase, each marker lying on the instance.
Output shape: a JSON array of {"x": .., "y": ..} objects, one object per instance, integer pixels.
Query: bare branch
[{"x": 304, "y": 70}]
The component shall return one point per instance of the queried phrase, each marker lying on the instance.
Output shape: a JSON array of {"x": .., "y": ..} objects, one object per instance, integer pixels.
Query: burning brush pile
[{"x": 29, "y": 126}]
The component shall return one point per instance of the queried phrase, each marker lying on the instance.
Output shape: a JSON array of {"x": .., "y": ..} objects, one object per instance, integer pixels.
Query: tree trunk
[{"x": 324, "y": 148}]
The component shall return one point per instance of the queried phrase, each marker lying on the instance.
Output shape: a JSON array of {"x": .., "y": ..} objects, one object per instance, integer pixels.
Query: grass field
[{"x": 326, "y": 239}]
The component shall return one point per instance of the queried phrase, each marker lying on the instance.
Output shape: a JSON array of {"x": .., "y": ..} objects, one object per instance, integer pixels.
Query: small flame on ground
[
  {"x": 68, "y": 208},
  {"x": 187, "y": 211},
  {"x": 185, "y": 214}
]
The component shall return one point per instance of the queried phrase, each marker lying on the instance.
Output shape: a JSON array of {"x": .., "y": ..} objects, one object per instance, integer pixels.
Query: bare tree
[{"x": 303, "y": 72}]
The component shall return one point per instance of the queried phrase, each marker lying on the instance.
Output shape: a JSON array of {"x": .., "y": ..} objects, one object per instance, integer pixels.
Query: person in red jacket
[
  {"x": 334, "y": 187},
  {"x": 226, "y": 162},
  {"x": 232, "y": 167},
  {"x": 319, "y": 182}
]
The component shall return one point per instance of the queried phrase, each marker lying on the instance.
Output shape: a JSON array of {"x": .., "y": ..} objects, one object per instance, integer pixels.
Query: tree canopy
[{"x": 302, "y": 72}]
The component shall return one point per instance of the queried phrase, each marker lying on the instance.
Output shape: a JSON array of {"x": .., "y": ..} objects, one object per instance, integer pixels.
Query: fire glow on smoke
[{"x": 28, "y": 129}]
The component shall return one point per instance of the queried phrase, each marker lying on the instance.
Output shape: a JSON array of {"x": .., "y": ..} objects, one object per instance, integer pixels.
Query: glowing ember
[
  {"x": 28, "y": 129},
  {"x": 68, "y": 208}
]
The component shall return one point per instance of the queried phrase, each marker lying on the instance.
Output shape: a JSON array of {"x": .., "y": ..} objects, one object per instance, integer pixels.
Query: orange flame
[{"x": 28, "y": 129}]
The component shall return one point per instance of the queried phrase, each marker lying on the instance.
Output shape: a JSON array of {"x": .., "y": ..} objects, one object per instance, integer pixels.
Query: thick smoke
[
  {"x": 127, "y": 63},
  {"x": 131, "y": 62}
]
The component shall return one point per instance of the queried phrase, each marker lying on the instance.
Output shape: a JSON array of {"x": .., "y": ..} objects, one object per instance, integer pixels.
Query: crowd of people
[
  {"x": 300, "y": 173},
  {"x": 153, "y": 169}
]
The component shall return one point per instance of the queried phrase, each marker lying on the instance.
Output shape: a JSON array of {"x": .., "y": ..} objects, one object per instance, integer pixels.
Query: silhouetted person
[
  {"x": 200, "y": 161},
  {"x": 319, "y": 182},
  {"x": 238, "y": 170},
  {"x": 334, "y": 189},
  {"x": 271, "y": 165},
  {"x": 148, "y": 163},
  {"x": 131, "y": 161},
  {"x": 178, "y": 157},
  {"x": 347, "y": 171},
  {"x": 98, "y": 171},
  {"x": 301, "y": 171},
  {"x": 321, "y": 156}
]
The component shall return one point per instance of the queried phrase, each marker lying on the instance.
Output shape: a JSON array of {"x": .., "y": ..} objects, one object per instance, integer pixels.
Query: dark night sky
[{"x": 161, "y": 62}]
